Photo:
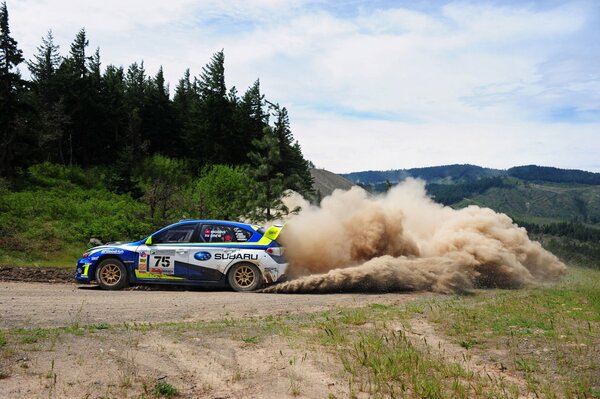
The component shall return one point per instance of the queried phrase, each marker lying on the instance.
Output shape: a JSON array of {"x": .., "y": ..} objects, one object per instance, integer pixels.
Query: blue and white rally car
[{"x": 191, "y": 252}]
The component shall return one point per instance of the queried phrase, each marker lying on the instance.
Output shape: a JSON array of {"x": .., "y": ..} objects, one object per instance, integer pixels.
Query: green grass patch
[{"x": 164, "y": 389}]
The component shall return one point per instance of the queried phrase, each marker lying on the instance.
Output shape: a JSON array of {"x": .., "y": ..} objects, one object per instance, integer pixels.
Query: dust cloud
[{"x": 404, "y": 241}]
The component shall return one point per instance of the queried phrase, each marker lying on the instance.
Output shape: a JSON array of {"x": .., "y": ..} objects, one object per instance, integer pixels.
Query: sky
[{"x": 373, "y": 85}]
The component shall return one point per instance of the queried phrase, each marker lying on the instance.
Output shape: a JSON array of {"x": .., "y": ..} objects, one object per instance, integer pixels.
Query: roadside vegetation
[{"x": 539, "y": 342}]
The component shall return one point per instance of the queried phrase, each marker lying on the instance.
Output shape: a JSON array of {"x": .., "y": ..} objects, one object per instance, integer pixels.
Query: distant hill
[
  {"x": 447, "y": 173},
  {"x": 556, "y": 175},
  {"x": 326, "y": 182},
  {"x": 463, "y": 173}
]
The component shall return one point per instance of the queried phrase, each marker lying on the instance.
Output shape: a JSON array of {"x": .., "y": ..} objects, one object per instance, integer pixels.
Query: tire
[
  {"x": 111, "y": 274},
  {"x": 244, "y": 277}
]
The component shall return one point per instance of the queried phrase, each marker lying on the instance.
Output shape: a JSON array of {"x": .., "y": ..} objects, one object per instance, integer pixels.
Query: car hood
[{"x": 114, "y": 248}]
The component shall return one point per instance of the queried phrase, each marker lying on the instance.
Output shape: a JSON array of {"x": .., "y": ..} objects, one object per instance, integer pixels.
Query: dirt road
[{"x": 26, "y": 305}]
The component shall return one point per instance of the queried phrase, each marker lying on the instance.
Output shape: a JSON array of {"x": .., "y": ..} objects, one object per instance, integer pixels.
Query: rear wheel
[
  {"x": 111, "y": 274},
  {"x": 245, "y": 277}
]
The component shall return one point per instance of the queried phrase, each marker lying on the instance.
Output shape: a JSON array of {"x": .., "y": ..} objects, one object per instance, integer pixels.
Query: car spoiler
[{"x": 273, "y": 232}]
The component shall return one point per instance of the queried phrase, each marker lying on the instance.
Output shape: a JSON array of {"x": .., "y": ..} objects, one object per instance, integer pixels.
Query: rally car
[{"x": 190, "y": 252}]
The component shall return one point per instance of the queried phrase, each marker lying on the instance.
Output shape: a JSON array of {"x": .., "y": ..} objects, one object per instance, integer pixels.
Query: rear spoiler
[{"x": 273, "y": 232}]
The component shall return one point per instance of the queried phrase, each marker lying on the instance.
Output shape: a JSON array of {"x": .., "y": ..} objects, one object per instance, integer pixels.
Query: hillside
[
  {"x": 444, "y": 173},
  {"x": 541, "y": 202},
  {"x": 461, "y": 173},
  {"x": 325, "y": 182}
]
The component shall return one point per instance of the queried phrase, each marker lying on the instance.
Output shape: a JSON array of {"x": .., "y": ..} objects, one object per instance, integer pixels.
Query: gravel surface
[{"x": 31, "y": 304}]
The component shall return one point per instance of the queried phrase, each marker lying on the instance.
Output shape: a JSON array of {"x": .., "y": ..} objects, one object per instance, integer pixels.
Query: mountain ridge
[{"x": 464, "y": 172}]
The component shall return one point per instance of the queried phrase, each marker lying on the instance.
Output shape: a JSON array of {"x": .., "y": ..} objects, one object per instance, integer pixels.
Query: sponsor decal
[
  {"x": 236, "y": 256},
  {"x": 215, "y": 233},
  {"x": 239, "y": 236},
  {"x": 113, "y": 251},
  {"x": 202, "y": 256},
  {"x": 93, "y": 258},
  {"x": 156, "y": 270},
  {"x": 143, "y": 263},
  {"x": 168, "y": 252}
]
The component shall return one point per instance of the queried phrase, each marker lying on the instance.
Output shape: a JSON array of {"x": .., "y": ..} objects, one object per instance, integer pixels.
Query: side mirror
[{"x": 149, "y": 241}]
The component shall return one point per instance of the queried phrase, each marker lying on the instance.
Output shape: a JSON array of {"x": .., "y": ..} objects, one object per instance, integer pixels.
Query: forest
[
  {"x": 112, "y": 152},
  {"x": 74, "y": 112}
]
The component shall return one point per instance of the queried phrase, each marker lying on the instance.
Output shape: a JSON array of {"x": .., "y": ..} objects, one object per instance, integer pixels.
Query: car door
[
  {"x": 216, "y": 244},
  {"x": 168, "y": 254}
]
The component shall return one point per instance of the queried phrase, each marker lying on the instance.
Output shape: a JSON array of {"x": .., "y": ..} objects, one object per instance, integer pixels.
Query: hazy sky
[{"x": 373, "y": 84}]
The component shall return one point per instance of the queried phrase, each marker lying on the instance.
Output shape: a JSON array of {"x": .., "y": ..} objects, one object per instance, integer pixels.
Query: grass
[
  {"x": 164, "y": 389},
  {"x": 550, "y": 335}
]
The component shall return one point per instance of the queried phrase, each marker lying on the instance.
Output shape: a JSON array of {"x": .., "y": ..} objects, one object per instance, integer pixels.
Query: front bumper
[{"x": 82, "y": 271}]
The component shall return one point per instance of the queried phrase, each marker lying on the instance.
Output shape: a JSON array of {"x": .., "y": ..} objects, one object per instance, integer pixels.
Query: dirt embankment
[{"x": 37, "y": 274}]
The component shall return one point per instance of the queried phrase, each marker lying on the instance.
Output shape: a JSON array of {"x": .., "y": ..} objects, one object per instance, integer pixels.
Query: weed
[
  {"x": 250, "y": 340},
  {"x": 163, "y": 388},
  {"x": 2, "y": 340},
  {"x": 527, "y": 366},
  {"x": 236, "y": 376},
  {"x": 101, "y": 326},
  {"x": 32, "y": 336},
  {"x": 468, "y": 343},
  {"x": 356, "y": 317},
  {"x": 378, "y": 306},
  {"x": 294, "y": 388}
]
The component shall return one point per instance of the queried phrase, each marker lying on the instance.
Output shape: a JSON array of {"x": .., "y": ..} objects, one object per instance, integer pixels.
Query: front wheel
[
  {"x": 245, "y": 277},
  {"x": 111, "y": 274}
]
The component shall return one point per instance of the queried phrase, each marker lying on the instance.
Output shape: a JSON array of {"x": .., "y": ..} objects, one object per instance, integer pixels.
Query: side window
[{"x": 176, "y": 234}]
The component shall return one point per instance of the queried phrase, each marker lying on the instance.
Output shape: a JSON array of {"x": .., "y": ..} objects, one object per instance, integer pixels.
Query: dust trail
[{"x": 404, "y": 241}]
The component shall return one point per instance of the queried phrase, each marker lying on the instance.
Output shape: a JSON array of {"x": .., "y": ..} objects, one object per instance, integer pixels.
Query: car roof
[{"x": 229, "y": 222}]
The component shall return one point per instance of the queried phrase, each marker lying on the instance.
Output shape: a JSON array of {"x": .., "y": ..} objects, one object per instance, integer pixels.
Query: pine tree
[
  {"x": 159, "y": 117},
  {"x": 45, "y": 64},
  {"x": 11, "y": 86},
  {"x": 265, "y": 159},
  {"x": 251, "y": 119},
  {"x": 185, "y": 103},
  {"x": 51, "y": 118},
  {"x": 214, "y": 139},
  {"x": 293, "y": 166},
  {"x": 136, "y": 89},
  {"x": 78, "y": 96}
]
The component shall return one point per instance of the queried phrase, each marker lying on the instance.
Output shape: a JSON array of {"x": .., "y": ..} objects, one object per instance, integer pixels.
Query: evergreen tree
[
  {"x": 11, "y": 87},
  {"x": 159, "y": 117},
  {"x": 51, "y": 118},
  {"x": 186, "y": 105},
  {"x": 293, "y": 166},
  {"x": 135, "y": 97},
  {"x": 251, "y": 119},
  {"x": 44, "y": 65},
  {"x": 78, "y": 98},
  {"x": 265, "y": 159},
  {"x": 214, "y": 138}
]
